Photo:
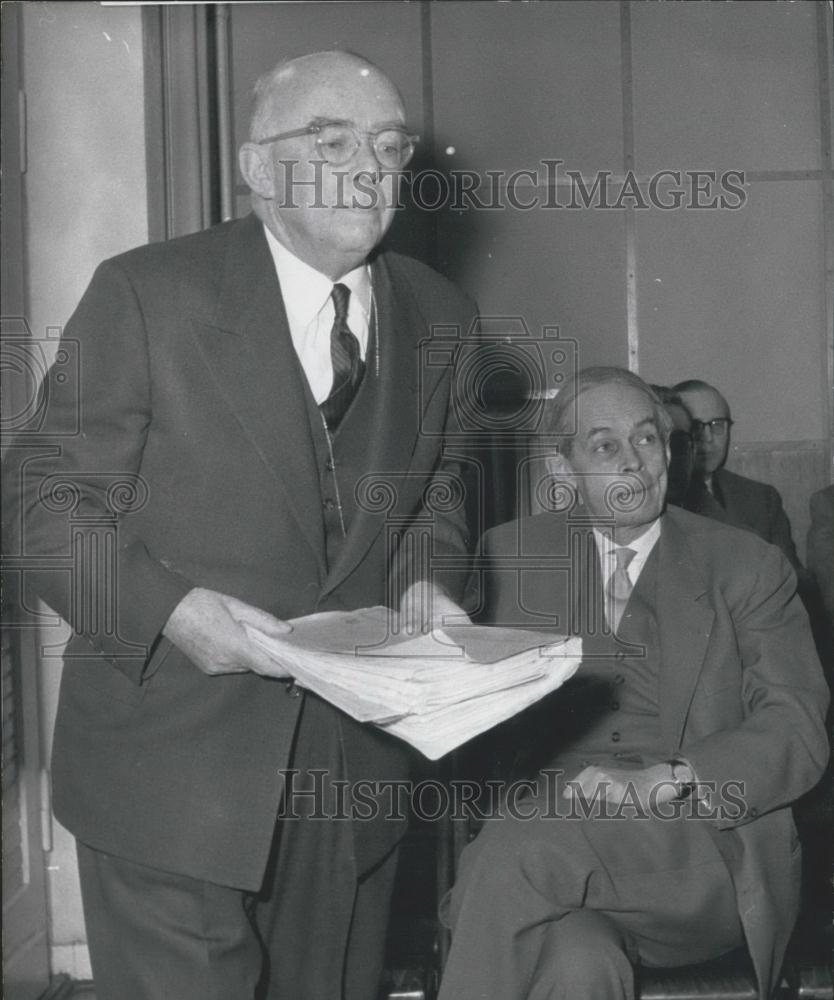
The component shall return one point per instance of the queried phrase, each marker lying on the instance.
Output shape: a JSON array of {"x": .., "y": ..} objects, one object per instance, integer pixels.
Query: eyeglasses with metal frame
[{"x": 338, "y": 142}]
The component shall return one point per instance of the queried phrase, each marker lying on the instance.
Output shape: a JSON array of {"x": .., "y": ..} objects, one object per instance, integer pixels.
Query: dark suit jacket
[
  {"x": 749, "y": 504},
  {"x": 820, "y": 558},
  {"x": 191, "y": 394},
  {"x": 821, "y": 547},
  {"x": 741, "y": 694}
]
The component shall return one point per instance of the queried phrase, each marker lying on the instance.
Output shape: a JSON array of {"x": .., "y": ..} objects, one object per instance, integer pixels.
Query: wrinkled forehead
[
  {"x": 616, "y": 408},
  {"x": 332, "y": 90}
]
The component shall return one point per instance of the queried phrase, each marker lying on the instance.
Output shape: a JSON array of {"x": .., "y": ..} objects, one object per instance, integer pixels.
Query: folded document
[{"x": 437, "y": 690}]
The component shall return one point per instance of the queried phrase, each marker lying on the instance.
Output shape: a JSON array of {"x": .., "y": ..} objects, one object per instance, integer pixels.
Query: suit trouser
[
  {"x": 314, "y": 932},
  {"x": 559, "y": 907}
]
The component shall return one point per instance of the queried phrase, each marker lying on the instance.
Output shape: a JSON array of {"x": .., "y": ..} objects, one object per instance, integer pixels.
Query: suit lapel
[
  {"x": 249, "y": 351},
  {"x": 683, "y": 615},
  {"x": 402, "y": 327},
  {"x": 393, "y": 434},
  {"x": 685, "y": 623}
]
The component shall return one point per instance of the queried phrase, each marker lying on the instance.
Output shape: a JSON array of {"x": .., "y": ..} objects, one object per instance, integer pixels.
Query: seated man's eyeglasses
[
  {"x": 717, "y": 427},
  {"x": 337, "y": 142}
]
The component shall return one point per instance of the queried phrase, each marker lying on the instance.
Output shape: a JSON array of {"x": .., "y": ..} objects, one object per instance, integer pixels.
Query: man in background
[
  {"x": 238, "y": 387},
  {"x": 744, "y": 502}
]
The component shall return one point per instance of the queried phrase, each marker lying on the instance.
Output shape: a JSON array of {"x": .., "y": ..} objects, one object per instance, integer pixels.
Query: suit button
[
  {"x": 329, "y": 504},
  {"x": 292, "y": 689},
  {"x": 329, "y": 465},
  {"x": 615, "y": 737},
  {"x": 615, "y": 706}
]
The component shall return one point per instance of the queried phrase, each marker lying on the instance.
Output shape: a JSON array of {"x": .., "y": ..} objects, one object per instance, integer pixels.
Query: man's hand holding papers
[{"x": 435, "y": 689}]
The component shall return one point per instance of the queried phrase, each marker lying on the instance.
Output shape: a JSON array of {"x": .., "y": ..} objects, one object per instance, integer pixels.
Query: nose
[
  {"x": 631, "y": 459},
  {"x": 365, "y": 158}
]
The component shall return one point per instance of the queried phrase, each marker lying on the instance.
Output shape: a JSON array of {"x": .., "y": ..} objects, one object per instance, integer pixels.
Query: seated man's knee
[{"x": 584, "y": 955}]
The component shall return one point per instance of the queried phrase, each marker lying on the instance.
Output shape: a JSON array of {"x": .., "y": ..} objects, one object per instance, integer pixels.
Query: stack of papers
[{"x": 436, "y": 691}]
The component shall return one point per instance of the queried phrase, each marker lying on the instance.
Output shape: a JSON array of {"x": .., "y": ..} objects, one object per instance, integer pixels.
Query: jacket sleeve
[
  {"x": 72, "y": 480},
  {"x": 780, "y": 530},
  {"x": 779, "y": 749}
]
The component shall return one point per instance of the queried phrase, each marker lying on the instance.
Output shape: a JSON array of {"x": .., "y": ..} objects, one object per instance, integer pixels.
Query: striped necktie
[{"x": 348, "y": 366}]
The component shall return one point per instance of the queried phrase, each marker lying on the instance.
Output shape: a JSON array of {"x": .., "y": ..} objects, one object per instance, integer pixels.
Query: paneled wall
[
  {"x": 738, "y": 295},
  {"x": 85, "y": 199}
]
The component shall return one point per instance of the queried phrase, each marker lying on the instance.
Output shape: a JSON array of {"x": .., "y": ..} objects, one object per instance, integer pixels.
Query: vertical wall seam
[
  {"x": 166, "y": 95},
  {"x": 225, "y": 139},
  {"x": 827, "y": 191},
  {"x": 156, "y": 154},
  {"x": 203, "y": 74},
  {"x": 626, "y": 65},
  {"x": 427, "y": 136}
]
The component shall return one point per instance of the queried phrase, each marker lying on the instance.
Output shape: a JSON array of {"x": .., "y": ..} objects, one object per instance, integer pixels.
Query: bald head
[
  {"x": 329, "y": 214},
  {"x": 277, "y": 93}
]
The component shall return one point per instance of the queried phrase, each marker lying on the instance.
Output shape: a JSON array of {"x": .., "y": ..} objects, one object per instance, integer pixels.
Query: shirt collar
[
  {"x": 641, "y": 546},
  {"x": 306, "y": 291}
]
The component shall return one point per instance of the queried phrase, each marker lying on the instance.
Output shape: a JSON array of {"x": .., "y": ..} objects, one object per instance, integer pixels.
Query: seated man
[
  {"x": 744, "y": 502},
  {"x": 661, "y": 831}
]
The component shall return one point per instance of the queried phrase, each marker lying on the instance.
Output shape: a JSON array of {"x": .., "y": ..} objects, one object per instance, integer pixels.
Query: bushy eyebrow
[
  {"x": 597, "y": 430},
  {"x": 647, "y": 421},
  {"x": 650, "y": 422}
]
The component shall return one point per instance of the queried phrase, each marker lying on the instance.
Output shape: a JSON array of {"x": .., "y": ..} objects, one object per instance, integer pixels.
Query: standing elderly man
[
  {"x": 661, "y": 830},
  {"x": 740, "y": 500},
  {"x": 242, "y": 381}
]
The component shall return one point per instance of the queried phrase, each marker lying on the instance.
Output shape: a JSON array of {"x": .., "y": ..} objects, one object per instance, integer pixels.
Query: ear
[
  {"x": 256, "y": 167},
  {"x": 559, "y": 467}
]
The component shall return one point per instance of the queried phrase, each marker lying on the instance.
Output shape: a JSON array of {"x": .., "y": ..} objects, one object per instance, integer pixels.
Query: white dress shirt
[
  {"x": 641, "y": 546},
  {"x": 310, "y": 312}
]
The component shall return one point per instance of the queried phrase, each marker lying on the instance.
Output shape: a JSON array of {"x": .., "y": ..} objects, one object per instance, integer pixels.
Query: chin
[
  {"x": 641, "y": 519},
  {"x": 358, "y": 231}
]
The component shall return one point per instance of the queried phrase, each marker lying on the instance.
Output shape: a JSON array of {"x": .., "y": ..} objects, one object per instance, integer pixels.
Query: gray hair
[{"x": 559, "y": 416}]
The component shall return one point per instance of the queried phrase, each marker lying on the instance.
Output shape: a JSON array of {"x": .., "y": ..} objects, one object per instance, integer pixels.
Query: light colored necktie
[{"x": 619, "y": 586}]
